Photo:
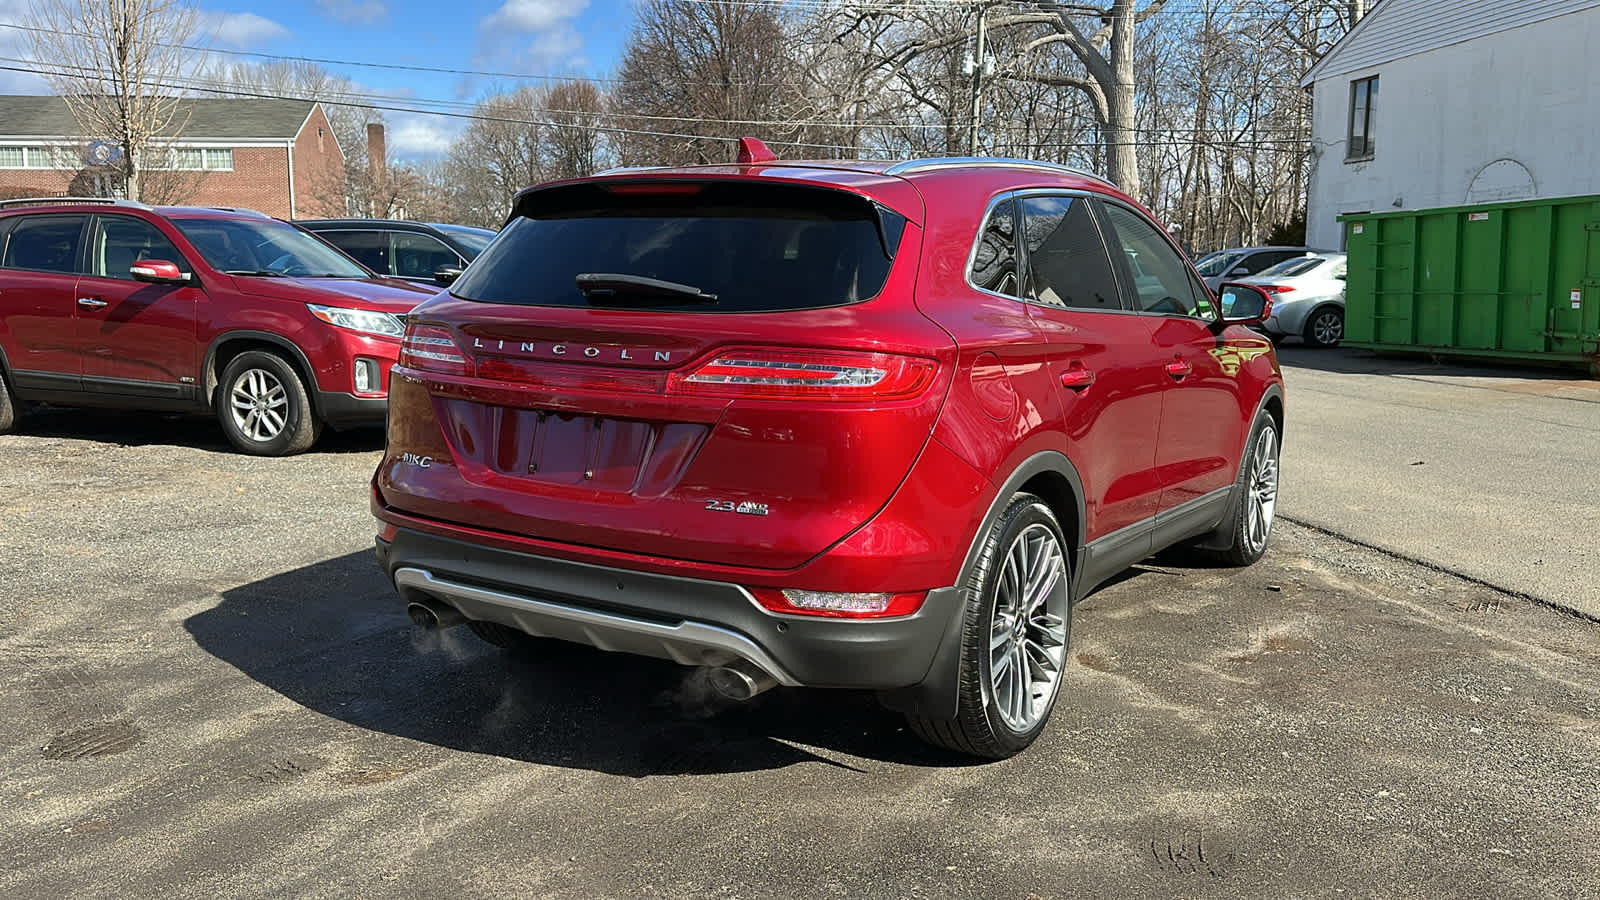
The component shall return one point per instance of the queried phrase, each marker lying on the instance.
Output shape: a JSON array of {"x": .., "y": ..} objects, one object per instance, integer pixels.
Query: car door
[
  {"x": 139, "y": 339},
  {"x": 370, "y": 247},
  {"x": 1103, "y": 363},
  {"x": 1198, "y": 445},
  {"x": 419, "y": 256},
  {"x": 38, "y": 312}
]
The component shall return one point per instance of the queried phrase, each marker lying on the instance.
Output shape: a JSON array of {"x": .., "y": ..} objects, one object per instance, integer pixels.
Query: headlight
[{"x": 359, "y": 320}]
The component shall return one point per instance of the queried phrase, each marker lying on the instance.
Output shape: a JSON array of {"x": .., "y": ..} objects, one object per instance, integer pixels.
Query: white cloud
[
  {"x": 557, "y": 50},
  {"x": 410, "y": 136},
  {"x": 354, "y": 12},
  {"x": 533, "y": 15},
  {"x": 240, "y": 29}
]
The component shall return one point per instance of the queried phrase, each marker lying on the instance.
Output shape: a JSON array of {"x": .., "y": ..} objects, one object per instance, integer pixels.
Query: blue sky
[{"x": 522, "y": 37}]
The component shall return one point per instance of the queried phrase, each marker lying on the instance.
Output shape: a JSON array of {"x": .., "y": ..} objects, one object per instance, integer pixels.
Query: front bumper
[
  {"x": 691, "y": 621},
  {"x": 348, "y": 410}
]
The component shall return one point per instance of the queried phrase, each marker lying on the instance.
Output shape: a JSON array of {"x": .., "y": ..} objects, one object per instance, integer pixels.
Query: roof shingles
[{"x": 209, "y": 118}]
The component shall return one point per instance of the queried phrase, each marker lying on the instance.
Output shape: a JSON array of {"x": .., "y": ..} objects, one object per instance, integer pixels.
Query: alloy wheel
[
  {"x": 1262, "y": 499},
  {"x": 260, "y": 405},
  {"x": 1328, "y": 328},
  {"x": 1028, "y": 636}
]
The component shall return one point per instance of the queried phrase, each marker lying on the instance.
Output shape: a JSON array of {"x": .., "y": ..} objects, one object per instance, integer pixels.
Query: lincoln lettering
[{"x": 621, "y": 354}]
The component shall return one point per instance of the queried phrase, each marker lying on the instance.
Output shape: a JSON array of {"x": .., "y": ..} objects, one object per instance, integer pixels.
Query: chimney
[{"x": 377, "y": 152}]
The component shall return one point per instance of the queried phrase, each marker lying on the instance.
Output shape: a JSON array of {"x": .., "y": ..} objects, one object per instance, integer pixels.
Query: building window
[
  {"x": 37, "y": 158},
  {"x": 1363, "y": 99},
  {"x": 197, "y": 159}
]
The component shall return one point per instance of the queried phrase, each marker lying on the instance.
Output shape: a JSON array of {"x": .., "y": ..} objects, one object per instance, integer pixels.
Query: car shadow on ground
[
  {"x": 1353, "y": 361},
  {"x": 334, "y": 638},
  {"x": 141, "y": 429}
]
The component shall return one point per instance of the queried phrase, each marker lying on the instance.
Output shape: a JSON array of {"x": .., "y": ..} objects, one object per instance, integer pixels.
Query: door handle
[
  {"x": 1179, "y": 369},
  {"x": 1077, "y": 378},
  {"x": 91, "y": 302}
]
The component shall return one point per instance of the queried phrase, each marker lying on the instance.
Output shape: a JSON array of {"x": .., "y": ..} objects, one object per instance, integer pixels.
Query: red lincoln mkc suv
[
  {"x": 115, "y": 304},
  {"x": 826, "y": 424}
]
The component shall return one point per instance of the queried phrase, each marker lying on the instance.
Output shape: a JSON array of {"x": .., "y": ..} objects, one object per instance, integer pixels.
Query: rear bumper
[{"x": 691, "y": 621}]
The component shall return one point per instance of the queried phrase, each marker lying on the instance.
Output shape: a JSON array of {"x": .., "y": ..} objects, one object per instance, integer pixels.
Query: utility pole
[{"x": 979, "y": 66}]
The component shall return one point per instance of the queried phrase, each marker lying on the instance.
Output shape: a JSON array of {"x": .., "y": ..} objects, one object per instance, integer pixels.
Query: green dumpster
[{"x": 1500, "y": 280}]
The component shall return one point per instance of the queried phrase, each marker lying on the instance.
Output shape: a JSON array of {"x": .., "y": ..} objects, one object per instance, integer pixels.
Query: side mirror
[
  {"x": 1240, "y": 271},
  {"x": 158, "y": 271},
  {"x": 1244, "y": 304},
  {"x": 446, "y": 275}
]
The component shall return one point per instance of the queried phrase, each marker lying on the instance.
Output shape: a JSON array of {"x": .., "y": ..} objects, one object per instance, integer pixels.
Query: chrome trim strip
[
  {"x": 686, "y": 642},
  {"x": 911, "y": 166}
]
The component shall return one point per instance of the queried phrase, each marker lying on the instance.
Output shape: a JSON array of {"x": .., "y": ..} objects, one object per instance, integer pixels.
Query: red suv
[
  {"x": 115, "y": 304},
  {"x": 835, "y": 424}
]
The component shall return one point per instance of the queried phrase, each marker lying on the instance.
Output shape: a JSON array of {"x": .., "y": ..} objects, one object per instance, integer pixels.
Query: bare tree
[
  {"x": 517, "y": 139},
  {"x": 115, "y": 63},
  {"x": 696, "y": 73}
]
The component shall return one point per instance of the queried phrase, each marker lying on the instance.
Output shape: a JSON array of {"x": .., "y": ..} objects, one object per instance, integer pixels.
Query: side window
[
  {"x": 121, "y": 241},
  {"x": 994, "y": 263},
  {"x": 44, "y": 243},
  {"x": 1160, "y": 278},
  {"x": 1264, "y": 261},
  {"x": 1067, "y": 262},
  {"x": 370, "y": 248},
  {"x": 419, "y": 255}
]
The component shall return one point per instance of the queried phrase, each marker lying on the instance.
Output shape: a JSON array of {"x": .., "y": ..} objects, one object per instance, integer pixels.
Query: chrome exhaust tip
[
  {"x": 740, "y": 680},
  {"x": 432, "y": 615}
]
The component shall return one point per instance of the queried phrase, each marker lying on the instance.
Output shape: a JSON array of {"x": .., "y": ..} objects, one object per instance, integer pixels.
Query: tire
[
  {"x": 1023, "y": 556},
  {"x": 1324, "y": 327},
  {"x": 8, "y": 407},
  {"x": 263, "y": 406},
  {"x": 1256, "y": 496}
]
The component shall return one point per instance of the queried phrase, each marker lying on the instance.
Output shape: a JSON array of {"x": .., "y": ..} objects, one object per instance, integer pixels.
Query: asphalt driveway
[{"x": 209, "y": 690}]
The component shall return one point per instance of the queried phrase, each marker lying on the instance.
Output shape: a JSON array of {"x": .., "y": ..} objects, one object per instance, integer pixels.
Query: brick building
[{"x": 277, "y": 156}]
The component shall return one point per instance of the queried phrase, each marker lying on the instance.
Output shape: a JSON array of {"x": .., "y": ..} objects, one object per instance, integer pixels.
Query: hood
[{"x": 381, "y": 294}]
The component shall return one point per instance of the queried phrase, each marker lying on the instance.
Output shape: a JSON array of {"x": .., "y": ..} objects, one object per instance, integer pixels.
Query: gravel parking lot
[{"x": 209, "y": 690}]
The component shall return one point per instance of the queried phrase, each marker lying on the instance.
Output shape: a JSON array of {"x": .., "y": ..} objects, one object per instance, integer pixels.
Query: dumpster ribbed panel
[{"x": 1504, "y": 280}]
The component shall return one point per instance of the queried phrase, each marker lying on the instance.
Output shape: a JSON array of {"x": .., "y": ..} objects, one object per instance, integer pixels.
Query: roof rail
[
  {"x": 244, "y": 211},
  {"x": 62, "y": 201},
  {"x": 911, "y": 166}
]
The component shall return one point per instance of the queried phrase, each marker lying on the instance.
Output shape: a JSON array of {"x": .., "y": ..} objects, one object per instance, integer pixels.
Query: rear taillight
[
  {"x": 839, "y": 605},
  {"x": 807, "y": 374},
  {"x": 430, "y": 348},
  {"x": 1277, "y": 288}
]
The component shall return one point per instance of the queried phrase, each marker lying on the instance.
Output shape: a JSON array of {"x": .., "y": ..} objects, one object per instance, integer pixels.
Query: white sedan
[{"x": 1307, "y": 298}]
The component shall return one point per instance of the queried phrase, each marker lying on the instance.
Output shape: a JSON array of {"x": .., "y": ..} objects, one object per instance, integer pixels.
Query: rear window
[
  {"x": 757, "y": 248},
  {"x": 1292, "y": 267}
]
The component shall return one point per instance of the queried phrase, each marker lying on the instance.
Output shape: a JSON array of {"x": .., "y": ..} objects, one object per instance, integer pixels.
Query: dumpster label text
[
  {"x": 1477, "y": 217},
  {"x": 1577, "y": 299}
]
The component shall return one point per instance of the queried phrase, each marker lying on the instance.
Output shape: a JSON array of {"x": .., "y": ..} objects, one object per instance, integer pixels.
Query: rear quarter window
[{"x": 757, "y": 247}]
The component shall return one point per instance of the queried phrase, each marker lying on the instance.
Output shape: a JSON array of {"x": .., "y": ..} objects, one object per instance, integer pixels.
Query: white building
[{"x": 1430, "y": 103}]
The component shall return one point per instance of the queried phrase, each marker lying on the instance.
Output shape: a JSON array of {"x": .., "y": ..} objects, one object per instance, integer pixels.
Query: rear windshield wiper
[
  {"x": 259, "y": 273},
  {"x": 610, "y": 287}
]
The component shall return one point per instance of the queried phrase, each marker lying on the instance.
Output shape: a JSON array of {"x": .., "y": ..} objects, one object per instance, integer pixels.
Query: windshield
[
  {"x": 716, "y": 247},
  {"x": 1292, "y": 267},
  {"x": 1217, "y": 263},
  {"x": 265, "y": 247},
  {"x": 473, "y": 240}
]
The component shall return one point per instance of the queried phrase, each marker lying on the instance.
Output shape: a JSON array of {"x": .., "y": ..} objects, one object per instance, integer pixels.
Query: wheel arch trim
[
  {"x": 298, "y": 359},
  {"x": 936, "y": 697}
]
